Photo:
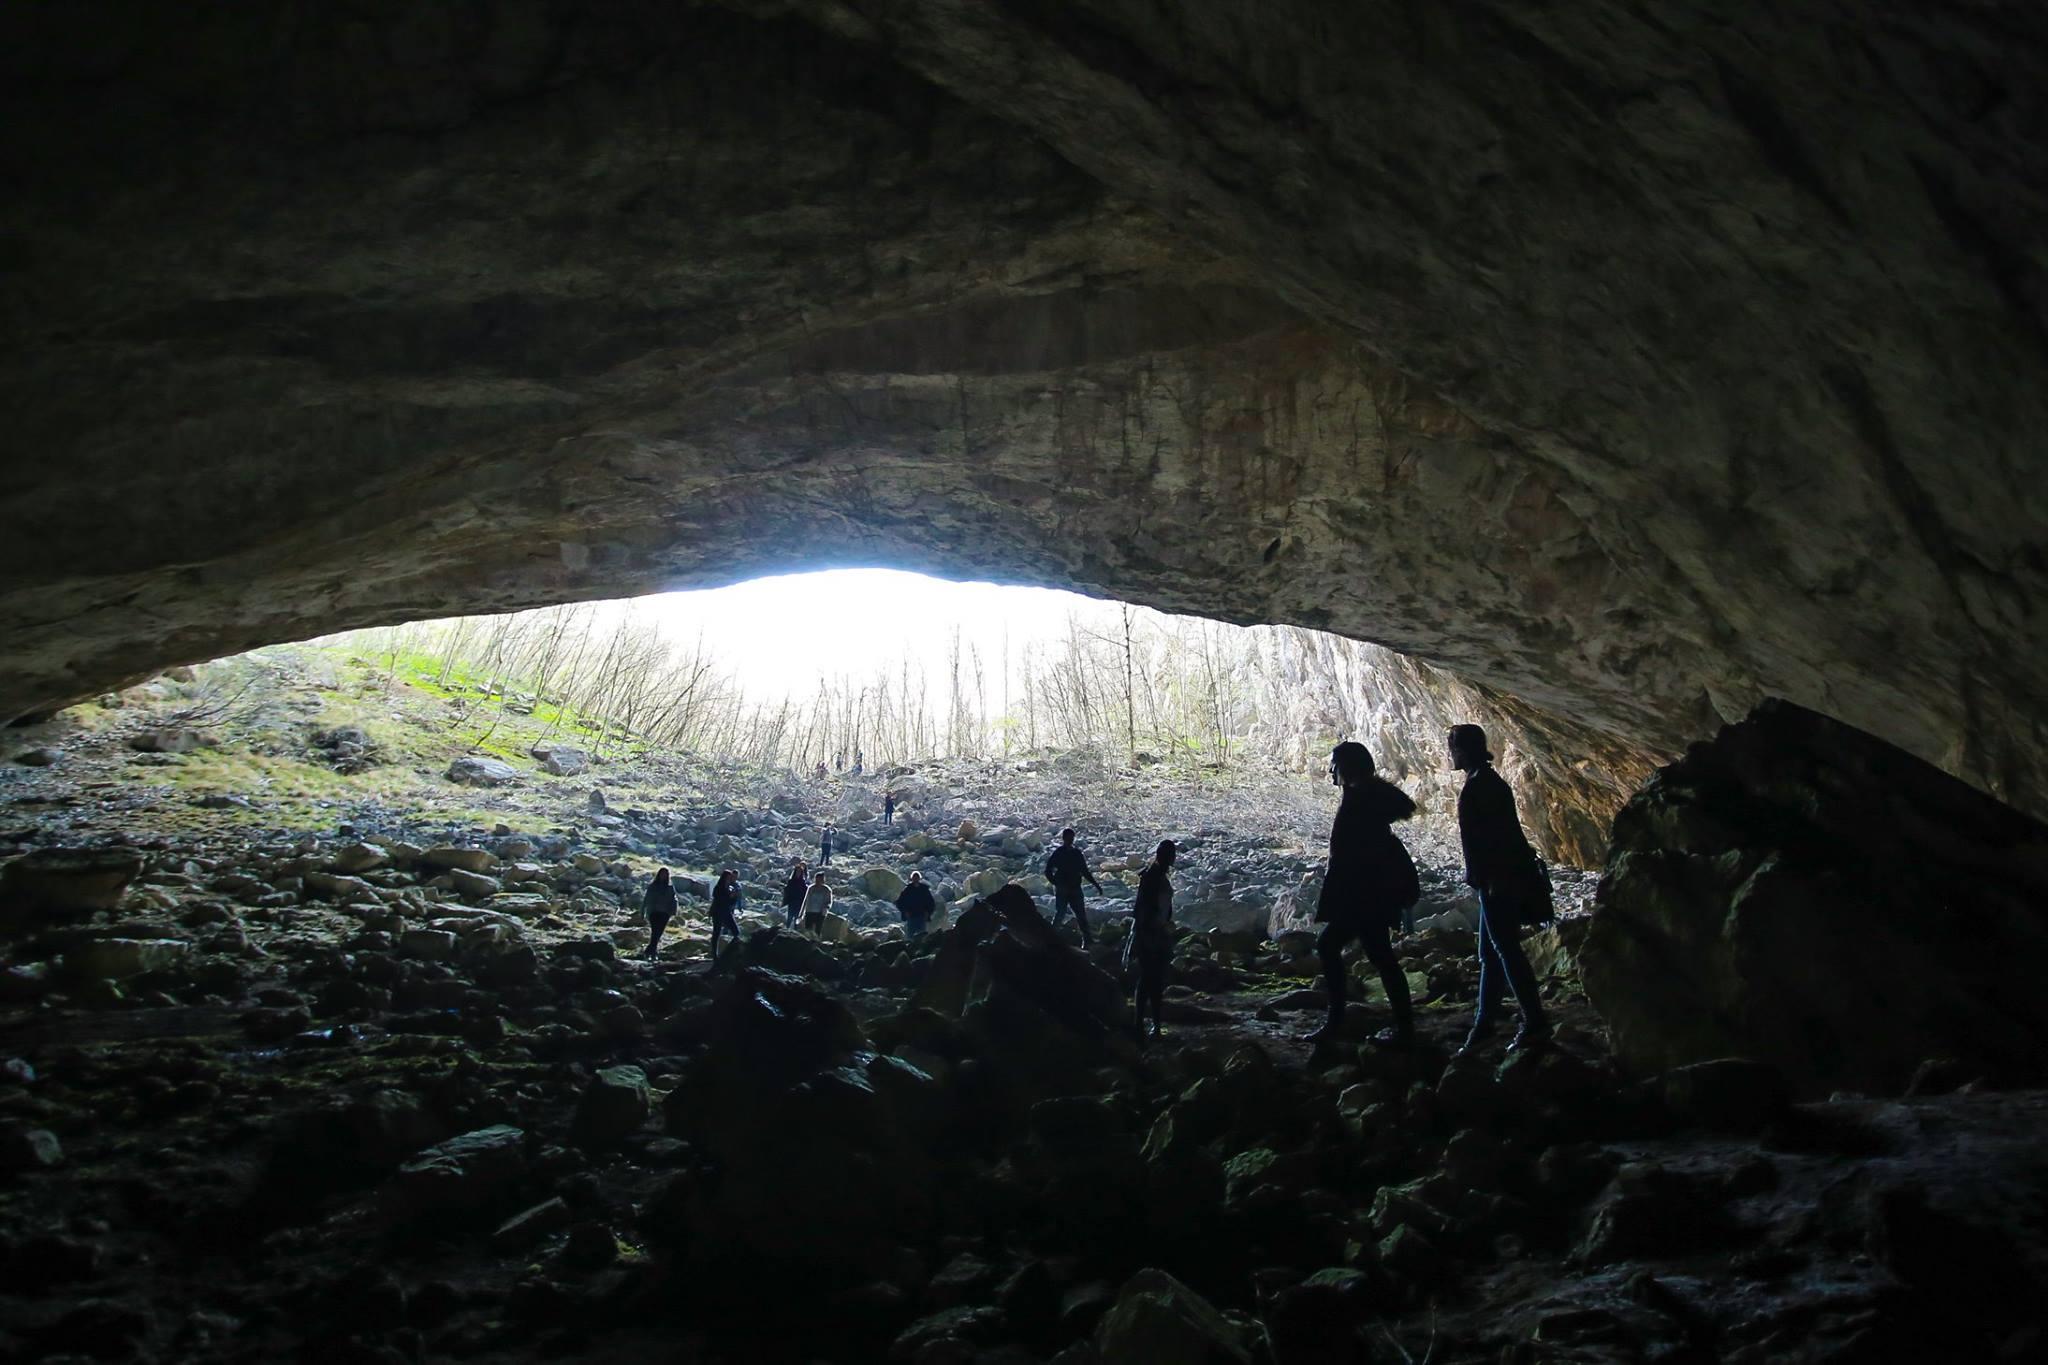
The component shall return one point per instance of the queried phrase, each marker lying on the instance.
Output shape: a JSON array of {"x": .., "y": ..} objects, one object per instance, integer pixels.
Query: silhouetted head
[
  {"x": 726, "y": 876},
  {"x": 1350, "y": 763},
  {"x": 661, "y": 877},
  {"x": 818, "y": 879},
  {"x": 1066, "y": 836},
  {"x": 1164, "y": 855},
  {"x": 1468, "y": 747},
  {"x": 916, "y": 877}
]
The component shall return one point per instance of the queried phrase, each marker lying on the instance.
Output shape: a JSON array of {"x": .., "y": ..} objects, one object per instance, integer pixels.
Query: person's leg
[
  {"x": 1514, "y": 966},
  {"x": 1492, "y": 983},
  {"x": 1380, "y": 952},
  {"x": 654, "y": 928},
  {"x": 1059, "y": 906},
  {"x": 1081, "y": 920},
  {"x": 1330, "y": 948}
]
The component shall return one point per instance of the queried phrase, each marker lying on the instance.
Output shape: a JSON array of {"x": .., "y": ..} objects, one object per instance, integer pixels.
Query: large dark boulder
[{"x": 1803, "y": 894}]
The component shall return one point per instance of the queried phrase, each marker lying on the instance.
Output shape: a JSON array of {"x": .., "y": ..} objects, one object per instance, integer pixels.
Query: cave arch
[{"x": 1633, "y": 370}]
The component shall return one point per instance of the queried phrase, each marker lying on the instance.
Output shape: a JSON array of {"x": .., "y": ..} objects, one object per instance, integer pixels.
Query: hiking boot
[
  {"x": 1529, "y": 1035},
  {"x": 1399, "y": 1035},
  {"x": 1327, "y": 1031},
  {"x": 1482, "y": 1030}
]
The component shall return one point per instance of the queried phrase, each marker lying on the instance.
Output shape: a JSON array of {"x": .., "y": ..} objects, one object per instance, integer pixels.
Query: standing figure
[
  {"x": 821, "y": 774},
  {"x": 1370, "y": 882},
  {"x": 825, "y": 848},
  {"x": 1498, "y": 859},
  {"x": 659, "y": 905},
  {"x": 1149, "y": 949},
  {"x": 916, "y": 905},
  {"x": 1066, "y": 869},
  {"x": 725, "y": 899},
  {"x": 816, "y": 902},
  {"x": 888, "y": 808},
  {"x": 860, "y": 761},
  {"x": 793, "y": 892}
]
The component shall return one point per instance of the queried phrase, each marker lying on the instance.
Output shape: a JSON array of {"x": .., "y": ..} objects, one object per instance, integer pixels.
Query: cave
[{"x": 1640, "y": 377}]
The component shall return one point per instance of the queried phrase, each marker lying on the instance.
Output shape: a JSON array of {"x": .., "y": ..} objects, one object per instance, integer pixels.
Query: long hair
[{"x": 661, "y": 877}]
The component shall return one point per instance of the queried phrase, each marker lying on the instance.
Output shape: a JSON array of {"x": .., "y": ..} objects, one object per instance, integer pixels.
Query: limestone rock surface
[
  {"x": 1632, "y": 365},
  {"x": 1804, "y": 895}
]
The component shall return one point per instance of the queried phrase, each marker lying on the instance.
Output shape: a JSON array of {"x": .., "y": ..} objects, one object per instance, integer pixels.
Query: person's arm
[{"x": 1089, "y": 873}]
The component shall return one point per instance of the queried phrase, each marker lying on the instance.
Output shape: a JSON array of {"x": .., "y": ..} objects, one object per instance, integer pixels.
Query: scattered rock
[
  {"x": 1156, "y": 1319},
  {"x": 69, "y": 880},
  {"x": 473, "y": 771},
  {"x": 29, "y": 1149},
  {"x": 562, "y": 760},
  {"x": 166, "y": 741},
  {"x": 44, "y": 756},
  {"x": 117, "y": 959},
  {"x": 612, "y": 1108}
]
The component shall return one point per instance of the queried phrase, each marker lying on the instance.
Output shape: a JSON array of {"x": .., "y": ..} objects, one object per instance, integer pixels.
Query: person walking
[
  {"x": 1148, "y": 952},
  {"x": 825, "y": 848},
  {"x": 725, "y": 900},
  {"x": 793, "y": 893},
  {"x": 817, "y": 901},
  {"x": 1066, "y": 869},
  {"x": 888, "y": 808},
  {"x": 916, "y": 905},
  {"x": 1498, "y": 862},
  {"x": 659, "y": 905},
  {"x": 1371, "y": 880}
]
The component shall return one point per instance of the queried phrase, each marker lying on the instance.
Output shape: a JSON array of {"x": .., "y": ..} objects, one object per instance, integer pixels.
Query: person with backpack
[
  {"x": 1066, "y": 869},
  {"x": 1370, "y": 881},
  {"x": 1503, "y": 872},
  {"x": 793, "y": 893},
  {"x": 659, "y": 906},
  {"x": 1148, "y": 952},
  {"x": 916, "y": 905},
  {"x": 725, "y": 899}
]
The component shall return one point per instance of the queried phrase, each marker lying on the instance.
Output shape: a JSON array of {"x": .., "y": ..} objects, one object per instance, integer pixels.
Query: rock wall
[
  {"x": 1803, "y": 894},
  {"x": 1630, "y": 366}
]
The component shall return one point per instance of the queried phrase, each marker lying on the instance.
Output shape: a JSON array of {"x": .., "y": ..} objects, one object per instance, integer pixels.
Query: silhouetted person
[
  {"x": 817, "y": 901},
  {"x": 825, "y": 848},
  {"x": 725, "y": 899},
  {"x": 659, "y": 905},
  {"x": 1370, "y": 882},
  {"x": 1497, "y": 858},
  {"x": 1066, "y": 869},
  {"x": 793, "y": 892},
  {"x": 1149, "y": 950},
  {"x": 888, "y": 808},
  {"x": 916, "y": 905},
  {"x": 860, "y": 761},
  {"x": 822, "y": 773}
]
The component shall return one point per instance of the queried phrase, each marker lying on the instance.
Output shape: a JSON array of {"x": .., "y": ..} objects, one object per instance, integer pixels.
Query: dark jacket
[
  {"x": 1495, "y": 847},
  {"x": 1152, "y": 913},
  {"x": 724, "y": 900},
  {"x": 1371, "y": 877},
  {"x": 793, "y": 893},
  {"x": 1067, "y": 869},
  {"x": 915, "y": 901},
  {"x": 660, "y": 904}
]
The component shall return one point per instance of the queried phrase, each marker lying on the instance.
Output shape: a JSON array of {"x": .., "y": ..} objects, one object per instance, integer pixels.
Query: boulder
[
  {"x": 473, "y": 884},
  {"x": 117, "y": 959},
  {"x": 69, "y": 880},
  {"x": 562, "y": 760},
  {"x": 612, "y": 1108},
  {"x": 987, "y": 882},
  {"x": 1801, "y": 894},
  {"x": 472, "y": 771},
  {"x": 466, "y": 859},
  {"x": 877, "y": 883},
  {"x": 43, "y": 756},
  {"x": 29, "y": 1149},
  {"x": 463, "y": 1174},
  {"x": 173, "y": 740},
  {"x": 1232, "y": 916},
  {"x": 1157, "y": 1320},
  {"x": 359, "y": 858}
]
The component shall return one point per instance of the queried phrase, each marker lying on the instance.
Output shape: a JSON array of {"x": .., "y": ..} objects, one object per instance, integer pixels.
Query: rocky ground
[{"x": 313, "y": 1052}]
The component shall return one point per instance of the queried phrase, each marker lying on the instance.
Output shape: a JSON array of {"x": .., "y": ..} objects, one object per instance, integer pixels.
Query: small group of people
[{"x": 1371, "y": 887}]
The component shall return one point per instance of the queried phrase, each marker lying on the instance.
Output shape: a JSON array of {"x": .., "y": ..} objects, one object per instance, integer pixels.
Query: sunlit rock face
[{"x": 1628, "y": 367}]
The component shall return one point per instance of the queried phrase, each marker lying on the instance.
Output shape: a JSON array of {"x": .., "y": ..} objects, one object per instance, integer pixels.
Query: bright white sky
[{"x": 779, "y": 635}]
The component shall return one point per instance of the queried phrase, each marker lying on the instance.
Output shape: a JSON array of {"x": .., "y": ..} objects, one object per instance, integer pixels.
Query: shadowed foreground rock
[{"x": 1801, "y": 893}]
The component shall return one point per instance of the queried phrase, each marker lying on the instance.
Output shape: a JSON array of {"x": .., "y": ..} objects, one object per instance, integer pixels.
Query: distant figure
[
  {"x": 822, "y": 773},
  {"x": 1149, "y": 950},
  {"x": 816, "y": 902},
  {"x": 659, "y": 905},
  {"x": 793, "y": 892},
  {"x": 1371, "y": 880},
  {"x": 825, "y": 848},
  {"x": 860, "y": 761},
  {"x": 1066, "y": 869},
  {"x": 1497, "y": 858},
  {"x": 888, "y": 808},
  {"x": 916, "y": 905},
  {"x": 725, "y": 898}
]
